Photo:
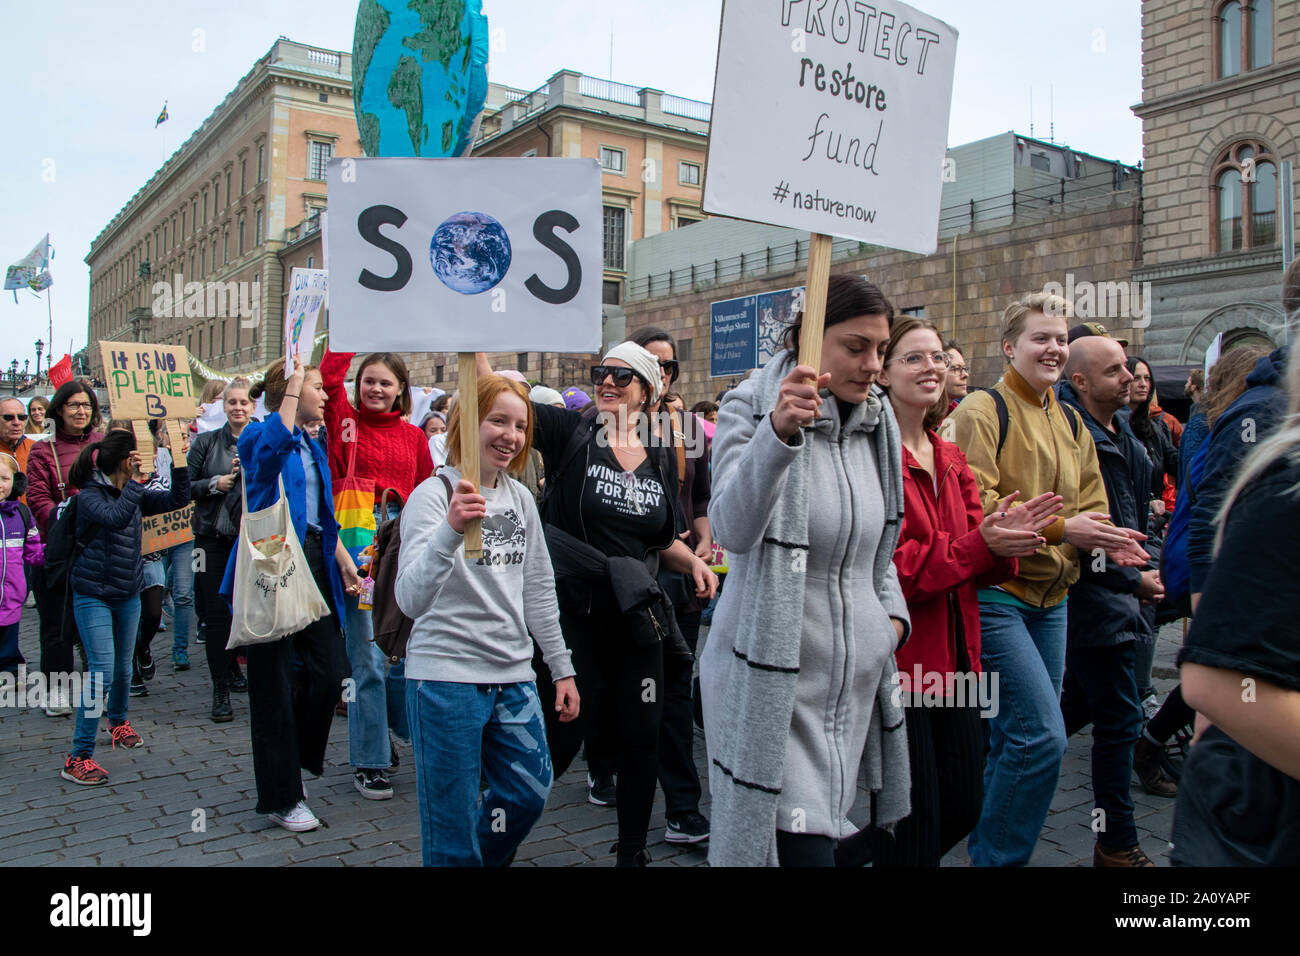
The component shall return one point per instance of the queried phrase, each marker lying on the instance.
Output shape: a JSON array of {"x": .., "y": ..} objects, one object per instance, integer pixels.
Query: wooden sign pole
[
  {"x": 814, "y": 301},
  {"x": 467, "y": 409}
]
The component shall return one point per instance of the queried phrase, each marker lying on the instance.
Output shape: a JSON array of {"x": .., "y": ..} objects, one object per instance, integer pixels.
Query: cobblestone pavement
[{"x": 193, "y": 772}]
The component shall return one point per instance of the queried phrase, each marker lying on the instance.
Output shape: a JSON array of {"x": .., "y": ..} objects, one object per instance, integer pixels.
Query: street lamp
[
  {"x": 13, "y": 375},
  {"x": 40, "y": 347},
  {"x": 27, "y": 374}
]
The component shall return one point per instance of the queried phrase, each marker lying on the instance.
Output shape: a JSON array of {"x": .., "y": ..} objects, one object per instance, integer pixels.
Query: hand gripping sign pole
[
  {"x": 814, "y": 302},
  {"x": 467, "y": 409}
]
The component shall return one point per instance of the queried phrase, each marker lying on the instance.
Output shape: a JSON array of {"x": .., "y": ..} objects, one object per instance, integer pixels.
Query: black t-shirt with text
[{"x": 623, "y": 513}]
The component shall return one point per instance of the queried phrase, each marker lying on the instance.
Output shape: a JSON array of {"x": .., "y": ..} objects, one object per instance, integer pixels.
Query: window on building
[
  {"x": 615, "y": 236},
  {"x": 225, "y": 247},
  {"x": 685, "y": 350},
  {"x": 521, "y": 362},
  {"x": 230, "y": 196},
  {"x": 182, "y": 232},
  {"x": 688, "y": 174},
  {"x": 258, "y": 222},
  {"x": 918, "y": 312},
  {"x": 319, "y": 158},
  {"x": 216, "y": 195},
  {"x": 223, "y": 337},
  {"x": 1245, "y": 198},
  {"x": 528, "y": 153},
  {"x": 191, "y": 275},
  {"x": 1243, "y": 36},
  {"x": 610, "y": 292},
  {"x": 437, "y": 373},
  {"x": 194, "y": 212},
  {"x": 241, "y": 235},
  {"x": 261, "y": 161},
  {"x": 203, "y": 259},
  {"x": 679, "y": 221},
  {"x": 243, "y": 169},
  {"x": 613, "y": 160}
]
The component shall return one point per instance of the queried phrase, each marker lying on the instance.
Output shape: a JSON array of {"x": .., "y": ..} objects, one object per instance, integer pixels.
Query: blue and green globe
[{"x": 419, "y": 71}]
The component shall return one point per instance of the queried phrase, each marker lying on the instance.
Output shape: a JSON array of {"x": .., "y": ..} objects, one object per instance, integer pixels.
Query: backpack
[
  {"x": 1004, "y": 417},
  {"x": 392, "y": 628},
  {"x": 63, "y": 547}
]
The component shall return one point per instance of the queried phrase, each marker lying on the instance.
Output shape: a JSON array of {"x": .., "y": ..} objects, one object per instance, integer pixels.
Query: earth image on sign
[
  {"x": 470, "y": 252},
  {"x": 419, "y": 71}
]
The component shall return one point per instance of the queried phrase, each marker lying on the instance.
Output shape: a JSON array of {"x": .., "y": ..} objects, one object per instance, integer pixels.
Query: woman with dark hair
[
  {"x": 294, "y": 683},
  {"x": 215, "y": 475},
  {"x": 372, "y": 443},
  {"x": 74, "y": 410},
  {"x": 798, "y": 676},
  {"x": 1151, "y": 429},
  {"x": 611, "y": 484},
  {"x": 958, "y": 376},
  {"x": 106, "y": 580}
]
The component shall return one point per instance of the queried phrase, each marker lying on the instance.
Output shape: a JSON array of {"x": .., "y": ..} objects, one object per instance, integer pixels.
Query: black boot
[
  {"x": 238, "y": 682},
  {"x": 639, "y": 857},
  {"x": 221, "y": 710}
]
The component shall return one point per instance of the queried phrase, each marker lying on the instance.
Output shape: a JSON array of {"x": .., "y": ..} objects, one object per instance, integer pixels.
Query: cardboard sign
[
  {"x": 832, "y": 118},
  {"x": 160, "y": 532},
  {"x": 307, "y": 291},
  {"x": 465, "y": 255},
  {"x": 148, "y": 381}
]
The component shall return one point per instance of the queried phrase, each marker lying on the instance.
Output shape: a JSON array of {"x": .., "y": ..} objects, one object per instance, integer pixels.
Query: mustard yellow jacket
[{"x": 1040, "y": 454}]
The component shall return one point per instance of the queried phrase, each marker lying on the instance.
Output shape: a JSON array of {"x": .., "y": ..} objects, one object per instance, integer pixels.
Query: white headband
[{"x": 642, "y": 362}]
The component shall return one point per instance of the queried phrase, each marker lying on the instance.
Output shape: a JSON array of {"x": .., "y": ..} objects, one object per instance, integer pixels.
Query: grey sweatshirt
[{"x": 472, "y": 620}]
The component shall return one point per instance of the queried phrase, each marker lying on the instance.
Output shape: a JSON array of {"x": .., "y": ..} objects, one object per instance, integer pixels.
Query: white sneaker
[
  {"x": 57, "y": 705},
  {"x": 298, "y": 818},
  {"x": 1150, "y": 707}
]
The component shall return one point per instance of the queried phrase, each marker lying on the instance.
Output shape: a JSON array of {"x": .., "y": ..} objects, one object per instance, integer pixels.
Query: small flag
[
  {"x": 162, "y": 117},
  {"x": 61, "y": 371},
  {"x": 32, "y": 270}
]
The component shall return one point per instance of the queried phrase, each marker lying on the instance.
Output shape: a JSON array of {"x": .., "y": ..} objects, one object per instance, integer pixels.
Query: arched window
[
  {"x": 1244, "y": 198},
  {"x": 1243, "y": 36}
]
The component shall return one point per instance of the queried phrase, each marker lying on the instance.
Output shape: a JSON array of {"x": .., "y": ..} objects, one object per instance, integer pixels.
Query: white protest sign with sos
[
  {"x": 307, "y": 291},
  {"x": 832, "y": 117},
  {"x": 465, "y": 255}
]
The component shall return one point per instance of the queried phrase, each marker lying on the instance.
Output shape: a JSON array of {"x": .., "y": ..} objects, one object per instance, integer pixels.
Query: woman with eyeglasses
[
  {"x": 958, "y": 379},
  {"x": 75, "y": 413},
  {"x": 947, "y": 550},
  {"x": 610, "y": 491}
]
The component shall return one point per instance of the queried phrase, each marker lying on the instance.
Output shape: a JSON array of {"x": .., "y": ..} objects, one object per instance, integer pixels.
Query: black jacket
[
  {"x": 210, "y": 457},
  {"x": 110, "y": 568},
  {"x": 554, "y": 431},
  {"x": 1103, "y": 606}
]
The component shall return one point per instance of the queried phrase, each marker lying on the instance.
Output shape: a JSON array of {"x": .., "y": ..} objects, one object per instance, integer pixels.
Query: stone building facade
[
  {"x": 1220, "y": 106},
  {"x": 193, "y": 258}
]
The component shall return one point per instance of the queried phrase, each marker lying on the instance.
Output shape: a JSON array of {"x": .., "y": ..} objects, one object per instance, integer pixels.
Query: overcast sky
[{"x": 84, "y": 92}]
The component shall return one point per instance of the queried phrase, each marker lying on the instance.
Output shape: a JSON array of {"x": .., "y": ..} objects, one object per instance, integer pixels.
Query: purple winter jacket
[{"x": 22, "y": 546}]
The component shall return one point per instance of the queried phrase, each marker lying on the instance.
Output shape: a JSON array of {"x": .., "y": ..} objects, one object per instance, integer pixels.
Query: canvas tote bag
[{"x": 275, "y": 593}]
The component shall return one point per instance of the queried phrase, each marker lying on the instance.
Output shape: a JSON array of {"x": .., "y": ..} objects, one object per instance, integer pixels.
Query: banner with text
[
  {"x": 307, "y": 291},
  {"x": 465, "y": 255},
  {"x": 160, "y": 532},
  {"x": 833, "y": 118},
  {"x": 746, "y": 332},
  {"x": 148, "y": 381}
]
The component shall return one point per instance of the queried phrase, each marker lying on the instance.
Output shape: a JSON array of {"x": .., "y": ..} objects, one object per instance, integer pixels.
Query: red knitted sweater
[{"x": 391, "y": 452}]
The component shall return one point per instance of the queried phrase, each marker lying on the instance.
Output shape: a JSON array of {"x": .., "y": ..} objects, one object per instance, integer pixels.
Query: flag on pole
[
  {"x": 32, "y": 271},
  {"x": 61, "y": 371},
  {"x": 162, "y": 117}
]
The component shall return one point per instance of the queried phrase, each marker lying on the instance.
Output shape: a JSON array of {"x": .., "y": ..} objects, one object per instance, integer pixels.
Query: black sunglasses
[
  {"x": 671, "y": 366},
  {"x": 21, "y": 416},
  {"x": 622, "y": 376}
]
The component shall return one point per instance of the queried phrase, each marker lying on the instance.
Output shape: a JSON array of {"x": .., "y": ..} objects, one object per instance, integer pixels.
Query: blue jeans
[
  {"x": 1026, "y": 648},
  {"x": 179, "y": 562},
  {"x": 108, "y": 634},
  {"x": 369, "y": 705},
  {"x": 463, "y": 734}
]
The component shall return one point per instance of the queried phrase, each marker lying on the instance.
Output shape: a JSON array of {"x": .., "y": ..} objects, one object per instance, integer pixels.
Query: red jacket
[{"x": 941, "y": 560}]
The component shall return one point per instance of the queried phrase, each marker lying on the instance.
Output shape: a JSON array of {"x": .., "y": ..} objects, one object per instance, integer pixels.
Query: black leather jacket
[{"x": 211, "y": 455}]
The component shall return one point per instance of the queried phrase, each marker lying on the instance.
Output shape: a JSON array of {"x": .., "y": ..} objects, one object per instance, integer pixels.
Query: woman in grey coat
[{"x": 798, "y": 680}]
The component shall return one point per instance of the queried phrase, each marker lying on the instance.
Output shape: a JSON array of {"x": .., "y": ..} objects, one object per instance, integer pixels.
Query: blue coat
[
  {"x": 268, "y": 451},
  {"x": 110, "y": 567}
]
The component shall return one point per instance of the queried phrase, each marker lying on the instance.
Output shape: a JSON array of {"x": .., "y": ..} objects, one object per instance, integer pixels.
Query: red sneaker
[
  {"x": 83, "y": 770},
  {"x": 124, "y": 735}
]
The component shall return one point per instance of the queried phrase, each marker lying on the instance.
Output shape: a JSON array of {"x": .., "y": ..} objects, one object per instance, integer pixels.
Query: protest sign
[
  {"x": 160, "y": 532},
  {"x": 307, "y": 291},
  {"x": 148, "y": 381},
  {"x": 465, "y": 255},
  {"x": 832, "y": 118}
]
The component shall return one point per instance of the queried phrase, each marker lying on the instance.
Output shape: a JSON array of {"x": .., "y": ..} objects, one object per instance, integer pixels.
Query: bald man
[{"x": 1105, "y": 608}]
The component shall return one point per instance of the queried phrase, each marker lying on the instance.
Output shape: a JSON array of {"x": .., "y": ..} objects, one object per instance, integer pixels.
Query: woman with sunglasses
[
  {"x": 611, "y": 486},
  {"x": 75, "y": 413}
]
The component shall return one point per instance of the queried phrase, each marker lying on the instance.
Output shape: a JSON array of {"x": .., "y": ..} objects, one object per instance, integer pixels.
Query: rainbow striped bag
[{"x": 354, "y": 508}]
